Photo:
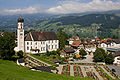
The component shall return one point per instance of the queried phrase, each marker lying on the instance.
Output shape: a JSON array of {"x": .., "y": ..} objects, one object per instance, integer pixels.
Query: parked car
[
  {"x": 65, "y": 61},
  {"x": 72, "y": 60},
  {"x": 58, "y": 62},
  {"x": 113, "y": 70}
]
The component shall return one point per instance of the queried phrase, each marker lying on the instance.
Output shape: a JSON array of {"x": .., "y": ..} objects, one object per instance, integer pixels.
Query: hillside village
[
  {"x": 76, "y": 56},
  {"x": 80, "y": 57},
  {"x": 59, "y": 39}
]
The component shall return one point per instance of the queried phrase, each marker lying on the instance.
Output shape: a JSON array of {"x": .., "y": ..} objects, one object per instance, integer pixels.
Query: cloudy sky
[{"x": 56, "y": 6}]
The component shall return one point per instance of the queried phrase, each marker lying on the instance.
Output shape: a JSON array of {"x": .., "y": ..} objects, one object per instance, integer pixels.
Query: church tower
[{"x": 20, "y": 34}]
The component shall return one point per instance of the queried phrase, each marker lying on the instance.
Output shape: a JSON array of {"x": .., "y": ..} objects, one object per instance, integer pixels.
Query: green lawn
[{"x": 11, "y": 71}]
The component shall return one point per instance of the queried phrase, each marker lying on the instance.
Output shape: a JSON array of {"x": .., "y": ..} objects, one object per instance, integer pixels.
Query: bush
[
  {"x": 20, "y": 54},
  {"x": 74, "y": 56},
  {"x": 82, "y": 52},
  {"x": 14, "y": 58}
]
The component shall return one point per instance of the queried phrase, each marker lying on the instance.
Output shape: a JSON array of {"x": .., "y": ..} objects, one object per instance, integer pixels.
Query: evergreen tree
[
  {"x": 99, "y": 55},
  {"x": 62, "y": 36},
  {"x": 7, "y": 45},
  {"x": 20, "y": 54},
  {"x": 109, "y": 59}
]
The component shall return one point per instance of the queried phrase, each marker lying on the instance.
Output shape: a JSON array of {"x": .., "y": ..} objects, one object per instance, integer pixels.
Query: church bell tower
[{"x": 20, "y": 34}]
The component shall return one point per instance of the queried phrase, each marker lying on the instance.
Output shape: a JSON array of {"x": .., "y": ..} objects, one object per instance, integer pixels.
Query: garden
[
  {"x": 49, "y": 57},
  {"x": 32, "y": 62},
  {"x": 91, "y": 71}
]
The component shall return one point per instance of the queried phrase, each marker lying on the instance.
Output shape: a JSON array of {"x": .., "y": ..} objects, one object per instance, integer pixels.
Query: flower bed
[
  {"x": 95, "y": 76},
  {"x": 66, "y": 70},
  {"x": 99, "y": 71},
  {"x": 88, "y": 74},
  {"x": 75, "y": 71},
  {"x": 63, "y": 70},
  {"x": 80, "y": 72},
  {"x": 35, "y": 61}
]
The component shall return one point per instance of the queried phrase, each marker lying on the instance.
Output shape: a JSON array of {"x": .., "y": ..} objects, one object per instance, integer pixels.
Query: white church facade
[{"x": 35, "y": 42}]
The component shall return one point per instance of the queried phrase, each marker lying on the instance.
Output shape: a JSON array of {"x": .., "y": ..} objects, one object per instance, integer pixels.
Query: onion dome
[{"x": 20, "y": 19}]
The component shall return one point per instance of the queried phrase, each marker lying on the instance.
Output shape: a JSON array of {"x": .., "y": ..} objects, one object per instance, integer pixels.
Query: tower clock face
[{"x": 21, "y": 25}]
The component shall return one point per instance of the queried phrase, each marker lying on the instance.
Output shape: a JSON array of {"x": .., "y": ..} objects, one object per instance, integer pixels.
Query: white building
[
  {"x": 117, "y": 60},
  {"x": 110, "y": 43},
  {"x": 35, "y": 42},
  {"x": 74, "y": 38}
]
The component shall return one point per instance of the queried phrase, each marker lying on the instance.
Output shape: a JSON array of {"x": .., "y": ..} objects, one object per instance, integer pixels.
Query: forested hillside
[
  {"x": 105, "y": 20},
  {"x": 89, "y": 25}
]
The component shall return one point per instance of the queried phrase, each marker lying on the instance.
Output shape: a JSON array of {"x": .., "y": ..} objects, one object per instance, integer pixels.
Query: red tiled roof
[
  {"x": 76, "y": 43},
  {"x": 75, "y": 37}
]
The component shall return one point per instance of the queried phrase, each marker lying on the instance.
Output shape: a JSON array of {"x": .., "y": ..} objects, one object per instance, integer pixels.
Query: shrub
[{"x": 14, "y": 58}]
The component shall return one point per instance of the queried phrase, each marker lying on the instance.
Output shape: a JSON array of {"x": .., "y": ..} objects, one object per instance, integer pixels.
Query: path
[
  {"x": 71, "y": 70},
  {"x": 60, "y": 69},
  {"x": 83, "y": 71}
]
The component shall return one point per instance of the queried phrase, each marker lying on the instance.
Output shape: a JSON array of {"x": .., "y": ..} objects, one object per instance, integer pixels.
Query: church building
[{"x": 35, "y": 42}]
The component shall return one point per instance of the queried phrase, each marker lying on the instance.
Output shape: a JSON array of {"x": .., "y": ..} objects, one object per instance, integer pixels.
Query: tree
[
  {"x": 7, "y": 45},
  {"x": 99, "y": 55},
  {"x": 109, "y": 59},
  {"x": 82, "y": 52},
  {"x": 20, "y": 54},
  {"x": 62, "y": 36}
]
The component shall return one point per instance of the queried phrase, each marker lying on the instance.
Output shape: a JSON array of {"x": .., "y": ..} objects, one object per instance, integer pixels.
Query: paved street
[
  {"x": 60, "y": 69},
  {"x": 71, "y": 70},
  {"x": 87, "y": 60}
]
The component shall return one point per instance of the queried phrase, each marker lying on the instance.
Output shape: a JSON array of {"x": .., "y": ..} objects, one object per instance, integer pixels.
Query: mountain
[
  {"x": 105, "y": 20},
  {"x": 77, "y": 23}
]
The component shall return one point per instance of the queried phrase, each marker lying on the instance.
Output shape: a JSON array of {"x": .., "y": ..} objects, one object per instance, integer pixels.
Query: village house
[
  {"x": 106, "y": 43},
  {"x": 35, "y": 42},
  {"x": 74, "y": 38},
  {"x": 67, "y": 51}
]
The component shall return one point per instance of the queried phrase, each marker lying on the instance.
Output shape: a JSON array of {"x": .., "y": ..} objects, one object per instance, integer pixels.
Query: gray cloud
[
  {"x": 69, "y": 6},
  {"x": 28, "y": 10}
]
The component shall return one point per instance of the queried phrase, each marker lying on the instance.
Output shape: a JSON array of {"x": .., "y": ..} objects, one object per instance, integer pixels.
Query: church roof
[
  {"x": 20, "y": 19},
  {"x": 41, "y": 36},
  {"x": 69, "y": 50}
]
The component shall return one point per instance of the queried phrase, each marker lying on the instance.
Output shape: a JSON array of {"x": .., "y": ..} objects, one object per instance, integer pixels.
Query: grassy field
[{"x": 10, "y": 71}]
